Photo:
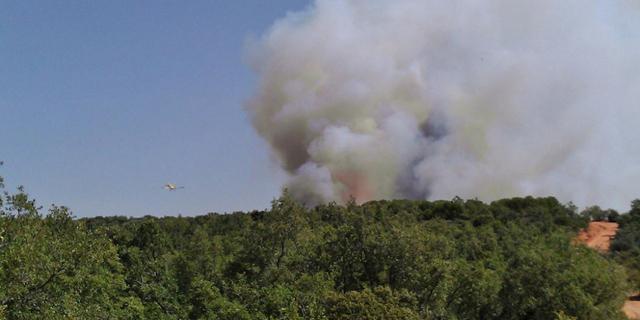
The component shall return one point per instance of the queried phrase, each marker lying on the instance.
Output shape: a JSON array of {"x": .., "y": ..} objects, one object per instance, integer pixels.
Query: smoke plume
[{"x": 430, "y": 99}]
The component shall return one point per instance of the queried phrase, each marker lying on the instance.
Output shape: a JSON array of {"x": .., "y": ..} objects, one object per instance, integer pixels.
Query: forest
[{"x": 399, "y": 259}]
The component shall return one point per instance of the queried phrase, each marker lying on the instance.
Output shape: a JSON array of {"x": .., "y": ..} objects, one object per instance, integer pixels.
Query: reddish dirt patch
[
  {"x": 598, "y": 235},
  {"x": 632, "y": 308}
]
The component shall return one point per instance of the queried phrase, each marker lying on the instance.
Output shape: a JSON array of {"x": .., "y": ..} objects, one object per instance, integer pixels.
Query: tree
[
  {"x": 381, "y": 303},
  {"x": 208, "y": 303},
  {"x": 400, "y": 259},
  {"x": 594, "y": 213},
  {"x": 53, "y": 267}
]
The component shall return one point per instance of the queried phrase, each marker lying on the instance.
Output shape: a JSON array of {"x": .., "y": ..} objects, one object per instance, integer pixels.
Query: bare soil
[
  {"x": 598, "y": 235},
  {"x": 632, "y": 308}
]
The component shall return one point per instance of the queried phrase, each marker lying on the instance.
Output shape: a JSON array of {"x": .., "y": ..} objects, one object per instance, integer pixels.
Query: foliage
[
  {"x": 399, "y": 259},
  {"x": 53, "y": 267},
  {"x": 626, "y": 245}
]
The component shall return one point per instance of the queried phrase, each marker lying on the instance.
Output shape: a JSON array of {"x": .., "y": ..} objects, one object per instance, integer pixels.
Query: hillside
[
  {"x": 621, "y": 242},
  {"x": 598, "y": 235}
]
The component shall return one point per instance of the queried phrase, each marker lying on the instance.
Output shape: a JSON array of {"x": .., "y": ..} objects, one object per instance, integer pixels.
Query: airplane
[{"x": 172, "y": 187}]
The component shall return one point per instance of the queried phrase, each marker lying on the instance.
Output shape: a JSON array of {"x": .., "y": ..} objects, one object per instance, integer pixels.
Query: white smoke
[{"x": 431, "y": 99}]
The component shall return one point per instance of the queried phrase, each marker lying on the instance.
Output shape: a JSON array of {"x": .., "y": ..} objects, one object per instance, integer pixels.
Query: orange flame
[{"x": 356, "y": 186}]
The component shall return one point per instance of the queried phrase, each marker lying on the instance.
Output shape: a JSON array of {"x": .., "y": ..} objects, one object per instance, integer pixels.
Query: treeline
[{"x": 510, "y": 259}]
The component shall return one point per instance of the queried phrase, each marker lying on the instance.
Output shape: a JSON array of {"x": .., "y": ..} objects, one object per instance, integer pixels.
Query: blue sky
[{"x": 102, "y": 102}]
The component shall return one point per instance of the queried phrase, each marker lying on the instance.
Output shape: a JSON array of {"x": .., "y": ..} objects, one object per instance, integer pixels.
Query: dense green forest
[{"x": 400, "y": 259}]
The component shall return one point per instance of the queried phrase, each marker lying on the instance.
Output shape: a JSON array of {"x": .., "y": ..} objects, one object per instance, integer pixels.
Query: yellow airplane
[{"x": 172, "y": 187}]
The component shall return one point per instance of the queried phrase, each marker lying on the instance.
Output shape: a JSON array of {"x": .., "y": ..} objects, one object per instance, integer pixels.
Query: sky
[{"x": 103, "y": 102}]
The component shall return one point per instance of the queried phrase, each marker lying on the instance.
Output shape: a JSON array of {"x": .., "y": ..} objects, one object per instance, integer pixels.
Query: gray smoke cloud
[{"x": 430, "y": 99}]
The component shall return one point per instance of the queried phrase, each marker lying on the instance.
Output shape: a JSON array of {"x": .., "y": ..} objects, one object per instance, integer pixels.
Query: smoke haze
[{"x": 430, "y": 99}]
